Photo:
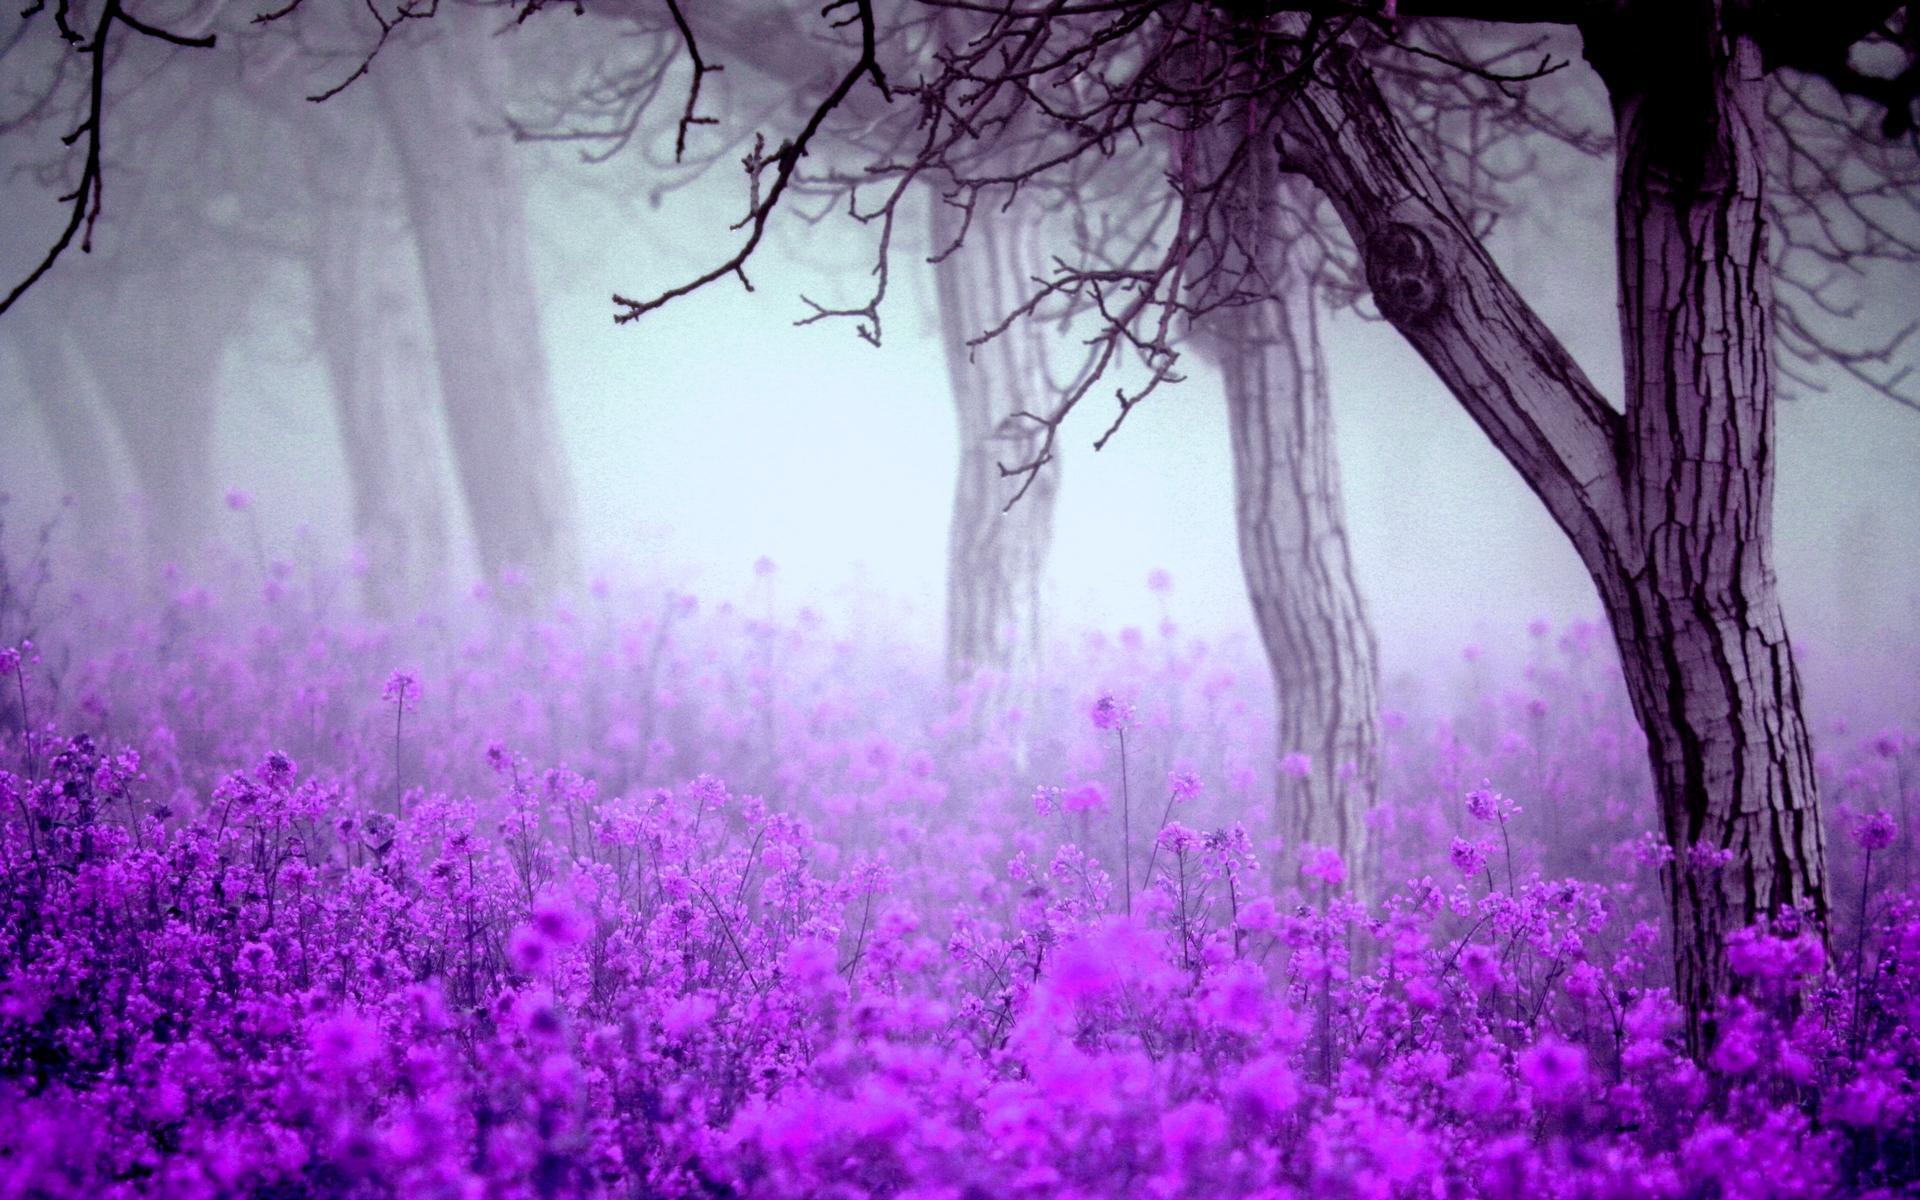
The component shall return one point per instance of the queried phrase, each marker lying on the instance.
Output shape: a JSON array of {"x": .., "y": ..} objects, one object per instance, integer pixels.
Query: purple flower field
[{"x": 645, "y": 898}]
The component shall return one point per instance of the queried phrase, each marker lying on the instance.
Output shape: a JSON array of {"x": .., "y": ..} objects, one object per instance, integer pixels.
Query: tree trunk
[
  {"x": 464, "y": 197},
  {"x": 1669, "y": 504},
  {"x": 154, "y": 342},
  {"x": 1299, "y": 572},
  {"x": 996, "y": 558},
  {"x": 1292, "y": 524},
  {"x": 82, "y": 444},
  {"x": 362, "y": 315},
  {"x": 1698, "y": 616}
]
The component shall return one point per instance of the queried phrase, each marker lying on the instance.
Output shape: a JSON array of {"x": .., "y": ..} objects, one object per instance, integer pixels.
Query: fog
[{"x": 716, "y": 432}]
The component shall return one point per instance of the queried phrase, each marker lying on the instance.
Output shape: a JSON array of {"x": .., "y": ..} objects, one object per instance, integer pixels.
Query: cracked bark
[
  {"x": 996, "y": 559},
  {"x": 1669, "y": 503},
  {"x": 1289, "y": 514}
]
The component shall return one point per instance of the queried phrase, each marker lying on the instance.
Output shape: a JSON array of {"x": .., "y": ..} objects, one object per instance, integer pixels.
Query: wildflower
[
  {"x": 1112, "y": 713},
  {"x": 1185, "y": 785},
  {"x": 1468, "y": 858},
  {"x": 343, "y": 1043},
  {"x": 1177, "y": 838},
  {"x": 1481, "y": 967},
  {"x": 9, "y": 660},
  {"x": 1088, "y": 797},
  {"x": 1325, "y": 864},
  {"x": 1876, "y": 832},
  {"x": 1485, "y": 804},
  {"x": 276, "y": 771},
  {"x": 1556, "y": 1071},
  {"x": 1159, "y": 581},
  {"x": 1297, "y": 765},
  {"x": 763, "y": 566},
  {"x": 238, "y": 500},
  {"x": 401, "y": 688}
]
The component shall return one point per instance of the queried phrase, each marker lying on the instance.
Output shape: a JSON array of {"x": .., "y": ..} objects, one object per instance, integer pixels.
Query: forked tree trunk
[
  {"x": 382, "y": 397},
  {"x": 1291, "y": 520},
  {"x": 996, "y": 558},
  {"x": 1667, "y": 505},
  {"x": 464, "y": 197}
]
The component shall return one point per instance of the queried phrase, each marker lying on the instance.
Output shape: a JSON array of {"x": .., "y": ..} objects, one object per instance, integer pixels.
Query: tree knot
[{"x": 1400, "y": 270}]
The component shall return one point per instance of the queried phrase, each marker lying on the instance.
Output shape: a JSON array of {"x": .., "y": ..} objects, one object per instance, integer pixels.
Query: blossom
[
  {"x": 1556, "y": 1071},
  {"x": 401, "y": 688},
  {"x": 1185, "y": 785},
  {"x": 1297, "y": 765},
  {"x": 1485, "y": 804},
  {"x": 9, "y": 660},
  {"x": 1112, "y": 713},
  {"x": 1467, "y": 857},
  {"x": 1087, "y": 797},
  {"x": 1876, "y": 832},
  {"x": 238, "y": 500},
  {"x": 1159, "y": 581},
  {"x": 1325, "y": 864},
  {"x": 1176, "y": 838}
]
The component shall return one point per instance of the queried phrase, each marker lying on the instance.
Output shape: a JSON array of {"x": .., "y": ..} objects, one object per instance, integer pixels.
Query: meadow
[{"x": 642, "y": 895}]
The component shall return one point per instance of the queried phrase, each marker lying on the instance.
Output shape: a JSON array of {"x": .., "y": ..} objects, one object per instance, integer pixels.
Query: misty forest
[{"x": 959, "y": 599}]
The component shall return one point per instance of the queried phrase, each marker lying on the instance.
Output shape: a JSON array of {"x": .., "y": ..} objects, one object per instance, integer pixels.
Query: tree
[
  {"x": 1291, "y": 521},
  {"x": 363, "y": 302},
  {"x": 1667, "y": 501},
  {"x": 996, "y": 557},
  {"x": 464, "y": 199}
]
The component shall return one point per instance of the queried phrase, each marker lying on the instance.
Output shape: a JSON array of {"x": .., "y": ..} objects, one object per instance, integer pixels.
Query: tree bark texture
[
  {"x": 1668, "y": 504},
  {"x": 996, "y": 557},
  {"x": 1701, "y": 634},
  {"x": 465, "y": 199},
  {"x": 1288, "y": 510},
  {"x": 382, "y": 398}
]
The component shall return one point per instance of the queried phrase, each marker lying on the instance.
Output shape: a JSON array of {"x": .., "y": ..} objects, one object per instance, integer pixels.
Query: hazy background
[{"x": 715, "y": 432}]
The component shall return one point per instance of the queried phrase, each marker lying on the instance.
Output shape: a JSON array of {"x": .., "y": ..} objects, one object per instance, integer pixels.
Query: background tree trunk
[
  {"x": 996, "y": 560},
  {"x": 1294, "y": 553},
  {"x": 56, "y": 388},
  {"x": 154, "y": 343},
  {"x": 464, "y": 197},
  {"x": 362, "y": 307}
]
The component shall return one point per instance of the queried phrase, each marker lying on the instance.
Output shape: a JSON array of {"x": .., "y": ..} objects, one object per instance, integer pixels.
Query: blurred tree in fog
[{"x": 204, "y": 150}]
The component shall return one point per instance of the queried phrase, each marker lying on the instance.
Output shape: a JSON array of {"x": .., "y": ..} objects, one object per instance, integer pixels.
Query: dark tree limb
[{"x": 84, "y": 200}]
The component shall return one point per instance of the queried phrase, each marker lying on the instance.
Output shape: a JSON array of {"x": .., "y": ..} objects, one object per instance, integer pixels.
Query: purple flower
[
  {"x": 401, "y": 688},
  {"x": 1159, "y": 581},
  {"x": 1325, "y": 864},
  {"x": 9, "y": 660},
  {"x": 1297, "y": 765},
  {"x": 1112, "y": 713},
  {"x": 1185, "y": 785},
  {"x": 1556, "y": 1071},
  {"x": 1485, "y": 804},
  {"x": 1876, "y": 832},
  {"x": 1467, "y": 857}
]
